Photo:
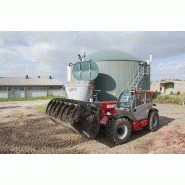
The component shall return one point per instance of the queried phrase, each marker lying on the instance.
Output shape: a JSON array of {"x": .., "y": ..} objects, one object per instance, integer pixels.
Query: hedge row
[{"x": 172, "y": 99}]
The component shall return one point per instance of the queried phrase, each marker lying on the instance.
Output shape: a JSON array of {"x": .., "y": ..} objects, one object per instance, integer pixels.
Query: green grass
[
  {"x": 170, "y": 99},
  {"x": 180, "y": 95},
  {"x": 41, "y": 108},
  {"x": 29, "y": 98}
]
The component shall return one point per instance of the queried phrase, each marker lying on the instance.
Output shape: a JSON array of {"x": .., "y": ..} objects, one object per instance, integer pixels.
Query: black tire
[
  {"x": 119, "y": 131},
  {"x": 153, "y": 122}
]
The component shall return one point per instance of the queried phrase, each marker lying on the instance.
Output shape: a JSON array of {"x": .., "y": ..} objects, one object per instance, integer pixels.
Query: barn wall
[
  {"x": 36, "y": 93},
  {"x": 18, "y": 94},
  {"x": 179, "y": 86},
  {"x": 3, "y": 94}
]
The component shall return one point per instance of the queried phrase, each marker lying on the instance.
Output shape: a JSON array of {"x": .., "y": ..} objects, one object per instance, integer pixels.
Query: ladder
[{"x": 136, "y": 78}]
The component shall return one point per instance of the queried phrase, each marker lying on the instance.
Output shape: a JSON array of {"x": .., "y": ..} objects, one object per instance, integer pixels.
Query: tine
[
  {"x": 49, "y": 104},
  {"x": 69, "y": 118},
  {"x": 52, "y": 112},
  {"x": 76, "y": 109},
  {"x": 76, "y": 114},
  {"x": 64, "y": 117},
  {"x": 51, "y": 107},
  {"x": 59, "y": 108},
  {"x": 61, "y": 114},
  {"x": 69, "y": 106},
  {"x": 55, "y": 110},
  {"x": 69, "y": 112}
]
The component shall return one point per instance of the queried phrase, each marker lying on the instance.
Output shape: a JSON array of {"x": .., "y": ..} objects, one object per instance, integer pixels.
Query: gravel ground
[{"x": 23, "y": 130}]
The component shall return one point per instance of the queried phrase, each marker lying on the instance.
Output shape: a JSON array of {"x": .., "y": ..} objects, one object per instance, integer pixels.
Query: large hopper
[{"x": 82, "y": 88}]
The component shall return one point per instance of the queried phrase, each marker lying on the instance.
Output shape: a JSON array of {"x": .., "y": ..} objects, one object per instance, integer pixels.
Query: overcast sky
[{"x": 49, "y": 53}]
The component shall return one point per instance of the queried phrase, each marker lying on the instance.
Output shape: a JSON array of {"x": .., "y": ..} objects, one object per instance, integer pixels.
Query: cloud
[
  {"x": 43, "y": 68},
  {"x": 41, "y": 47},
  {"x": 161, "y": 44},
  {"x": 170, "y": 69},
  {"x": 91, "y": 43},
  {"x": 30, "y": 58},
  {"x": 6, "y": 51},
  {"x": 36, "y": 52},
  {"x": 1, "y": 39},
  {"x": 171, "y": 66},
  {"x": 15, "y": 42}
]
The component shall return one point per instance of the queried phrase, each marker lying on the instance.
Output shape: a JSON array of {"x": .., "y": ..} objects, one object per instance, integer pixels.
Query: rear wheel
[
  {"x": 119, "y": 131},
  {"x": 153, "y": 123}
]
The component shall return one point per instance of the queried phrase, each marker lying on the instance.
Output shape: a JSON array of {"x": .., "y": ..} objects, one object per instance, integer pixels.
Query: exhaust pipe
[
  {"x": 69, "y": 72},
  {"x": 150, "y": 58},
  {"x": 149, "y": 61}
]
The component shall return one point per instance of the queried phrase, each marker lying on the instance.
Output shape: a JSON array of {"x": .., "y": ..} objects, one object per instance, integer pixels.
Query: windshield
[{"x": 125, "y": 99}]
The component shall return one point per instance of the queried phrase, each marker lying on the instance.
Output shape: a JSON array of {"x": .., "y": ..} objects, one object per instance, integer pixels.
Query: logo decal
[{"x": 72, "y": 89}]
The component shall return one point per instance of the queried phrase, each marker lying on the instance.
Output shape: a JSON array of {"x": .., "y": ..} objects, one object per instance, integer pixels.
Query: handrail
[
  {"x": 132, "y": 77},
  {"x": 135, "y": 78}
]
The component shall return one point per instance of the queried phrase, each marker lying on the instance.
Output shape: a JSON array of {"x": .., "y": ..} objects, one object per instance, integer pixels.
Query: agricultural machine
[{"x": 133, "y": 109}]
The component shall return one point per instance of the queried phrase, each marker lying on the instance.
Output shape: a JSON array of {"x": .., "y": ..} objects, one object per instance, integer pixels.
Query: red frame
[
  {"x": 108, "y": 107},
  {"x": 148, "y": 91},
  {"x": 138, "y": 125}
]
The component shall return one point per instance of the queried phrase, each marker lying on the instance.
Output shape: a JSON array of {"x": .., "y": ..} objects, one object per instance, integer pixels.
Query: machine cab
[{"x": 135, "y": 104}]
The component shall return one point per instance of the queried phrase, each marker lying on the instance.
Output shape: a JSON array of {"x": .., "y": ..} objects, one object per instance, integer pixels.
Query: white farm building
[{"x": 14, "y": 87}]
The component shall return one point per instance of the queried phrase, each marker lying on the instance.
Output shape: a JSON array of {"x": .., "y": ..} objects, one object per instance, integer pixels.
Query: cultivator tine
[
  {"x": 69, "y": 116},
  {"x": 64, "y": 116},
  {"x": 58, "y": 110},
  {"x": 49, "y": 105},
  {"x": 63, "y": 110},
  {"x": 69, "y": 112},
  {"x": 53, "y": 107},
  {"x": 75, "y": 114}
]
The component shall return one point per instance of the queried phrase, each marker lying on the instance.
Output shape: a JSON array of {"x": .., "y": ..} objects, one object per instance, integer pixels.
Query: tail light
[{"x": 108, "y": 114}]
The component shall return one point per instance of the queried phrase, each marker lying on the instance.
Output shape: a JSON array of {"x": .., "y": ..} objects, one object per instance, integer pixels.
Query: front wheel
[
  {"x": 119, "y": 131},
  {"x": 153, "y": 122}
]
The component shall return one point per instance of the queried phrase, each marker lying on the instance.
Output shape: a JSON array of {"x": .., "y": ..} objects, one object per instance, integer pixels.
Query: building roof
[
  {"x": 14, "y": 81},
  {"x": 112, "y": 55},
  {"x": 166, "y": 82}
]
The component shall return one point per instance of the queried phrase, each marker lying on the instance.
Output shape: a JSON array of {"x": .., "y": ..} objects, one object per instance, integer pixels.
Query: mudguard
[{"x": 153, "y": 109}]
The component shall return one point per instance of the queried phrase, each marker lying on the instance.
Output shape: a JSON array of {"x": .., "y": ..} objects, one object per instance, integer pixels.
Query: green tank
[{"x": 115, "y": 68}]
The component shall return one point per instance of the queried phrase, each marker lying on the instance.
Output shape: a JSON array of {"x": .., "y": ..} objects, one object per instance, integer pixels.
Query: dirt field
[{"x": 23, "y": 129}]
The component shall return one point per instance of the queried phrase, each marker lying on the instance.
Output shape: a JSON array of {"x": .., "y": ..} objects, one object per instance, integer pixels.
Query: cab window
[
  {"x": 125, "y": 99},
  {"x": 140, "y": 99},
  {"x": 148, "y": 98}
]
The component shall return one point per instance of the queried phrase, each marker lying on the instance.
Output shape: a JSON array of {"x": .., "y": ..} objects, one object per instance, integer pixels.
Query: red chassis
[{"x": 108, "y": 110}]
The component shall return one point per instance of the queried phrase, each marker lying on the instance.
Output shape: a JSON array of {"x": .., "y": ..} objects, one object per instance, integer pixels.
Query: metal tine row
[
  {"x": 64, "y": 109},
  {"x": 74, "y": 111}
]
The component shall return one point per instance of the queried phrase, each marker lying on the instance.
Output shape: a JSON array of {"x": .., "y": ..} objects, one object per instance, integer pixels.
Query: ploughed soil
[{"x": 25, "y": 130}]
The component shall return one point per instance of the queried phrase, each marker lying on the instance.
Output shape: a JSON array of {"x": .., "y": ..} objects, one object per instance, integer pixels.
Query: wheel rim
[
  {"x": 122, "y": 132},
  {"x": 155, "y": 121}
]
